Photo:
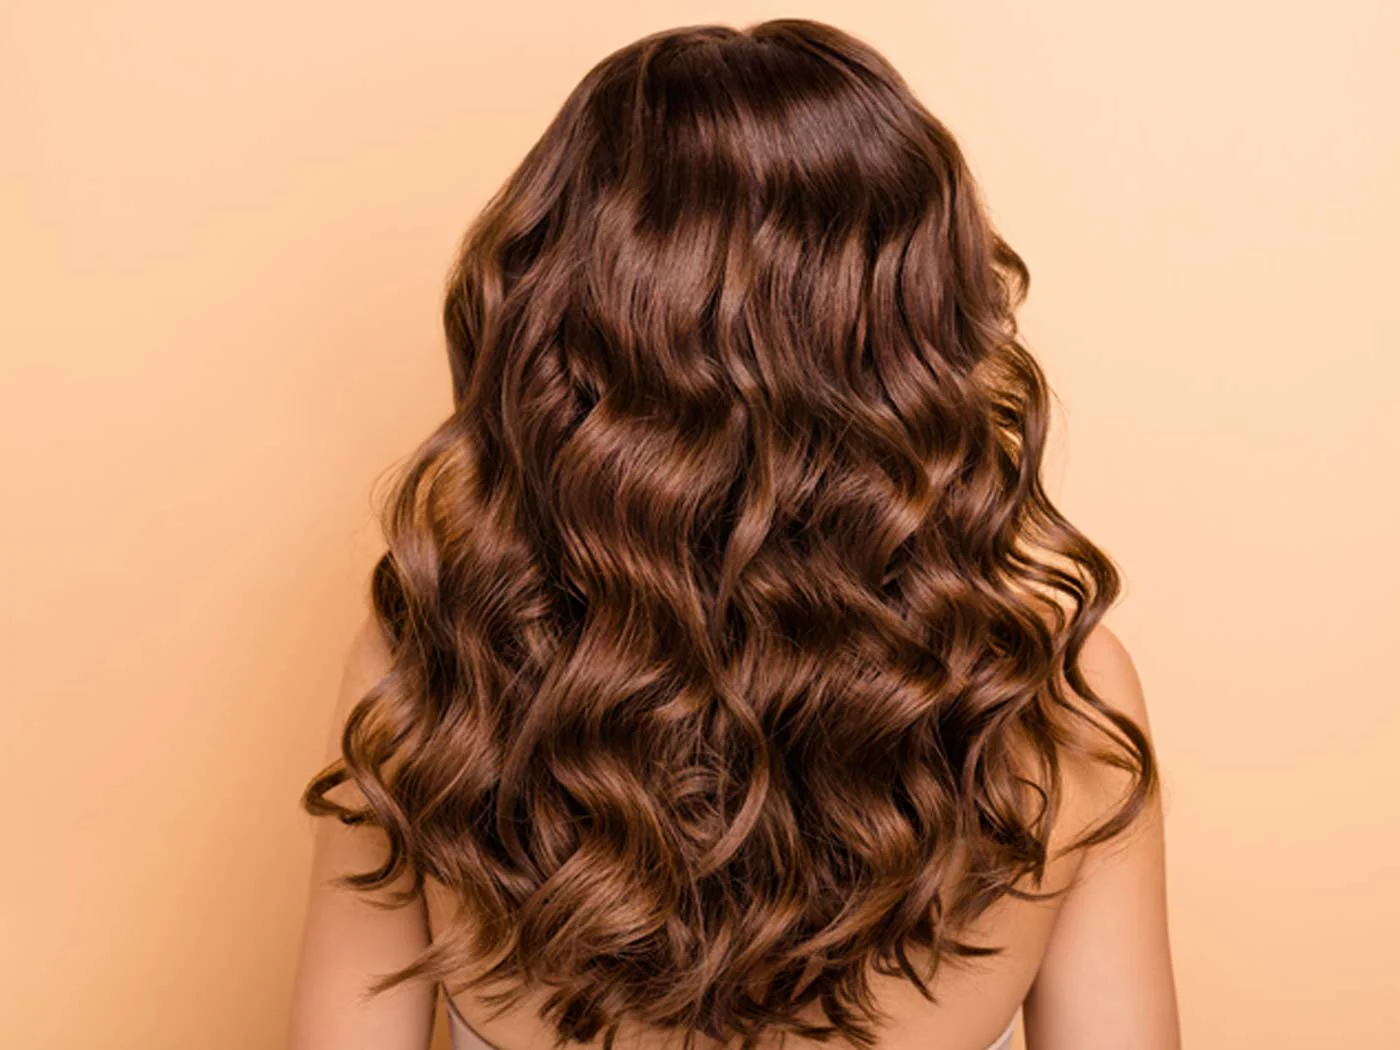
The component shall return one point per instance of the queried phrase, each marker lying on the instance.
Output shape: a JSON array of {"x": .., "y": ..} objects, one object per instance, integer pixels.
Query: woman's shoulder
[
  {"x": 1094, "y": 788},
  {"x": 365, "y": 661},
  {"x": 1109, "y": 665},
  {"x": 367, "y": 657}
]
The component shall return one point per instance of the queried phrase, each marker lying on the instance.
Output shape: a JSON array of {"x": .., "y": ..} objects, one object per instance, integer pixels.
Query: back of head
[{"x": 730, "y": 621}]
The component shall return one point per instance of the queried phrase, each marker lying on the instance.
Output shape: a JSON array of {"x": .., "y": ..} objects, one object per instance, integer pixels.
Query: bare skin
[{"x": 1092, "y": 967}]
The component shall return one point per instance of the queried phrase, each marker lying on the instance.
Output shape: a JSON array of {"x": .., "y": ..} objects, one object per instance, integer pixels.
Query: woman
[{"x": 731, "y": 680}]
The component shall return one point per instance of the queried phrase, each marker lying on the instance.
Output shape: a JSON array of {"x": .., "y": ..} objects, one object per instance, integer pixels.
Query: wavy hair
[{"x": 735, "y": 641}]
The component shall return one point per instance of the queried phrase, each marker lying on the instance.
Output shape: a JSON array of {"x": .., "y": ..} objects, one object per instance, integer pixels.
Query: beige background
[{"x": 224, "y": 231}]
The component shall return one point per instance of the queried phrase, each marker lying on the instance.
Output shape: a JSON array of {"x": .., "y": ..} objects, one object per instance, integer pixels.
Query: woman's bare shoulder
[
  {"x": 1110, "y": 942},
  {"x": 367, "y": 658},
  {"x": 1095, "y": 787}
]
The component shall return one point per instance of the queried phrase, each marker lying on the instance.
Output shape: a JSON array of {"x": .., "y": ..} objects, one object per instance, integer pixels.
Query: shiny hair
[{"x": 727, "y": 608}]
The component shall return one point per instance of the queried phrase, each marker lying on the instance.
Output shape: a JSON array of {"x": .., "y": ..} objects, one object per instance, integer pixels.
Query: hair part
[{"x": 727, "y": 606}]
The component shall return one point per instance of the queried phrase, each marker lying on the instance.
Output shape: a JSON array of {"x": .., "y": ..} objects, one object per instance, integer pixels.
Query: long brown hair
[{"x": 727, "y": 604}]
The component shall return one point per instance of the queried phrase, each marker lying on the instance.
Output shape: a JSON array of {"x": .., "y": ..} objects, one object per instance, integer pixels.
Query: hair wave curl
[{"x": 727, "y": 605}]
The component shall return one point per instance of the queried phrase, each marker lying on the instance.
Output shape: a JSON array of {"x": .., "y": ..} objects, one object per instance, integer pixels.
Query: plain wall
[{"x": 223, "y": 235}]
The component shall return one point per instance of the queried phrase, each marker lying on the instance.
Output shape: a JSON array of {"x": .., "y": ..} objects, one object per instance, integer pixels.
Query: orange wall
[{"x": 225, "y": 228}]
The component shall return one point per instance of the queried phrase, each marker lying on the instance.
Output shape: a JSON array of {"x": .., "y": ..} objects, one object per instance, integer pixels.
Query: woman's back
[
  {"x": 1088, "y": 969},
  {"x": 739, "y": 678},
  {"x": 973, "y": 1005}
]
